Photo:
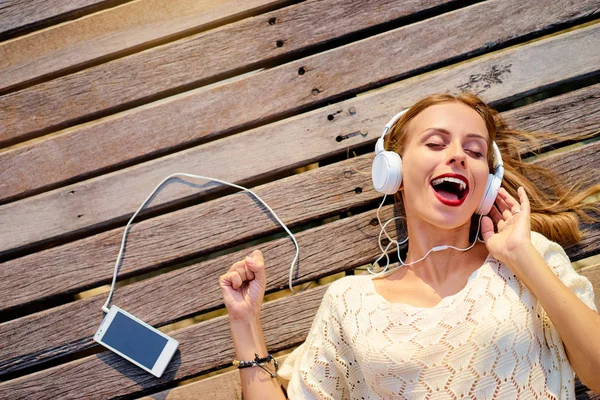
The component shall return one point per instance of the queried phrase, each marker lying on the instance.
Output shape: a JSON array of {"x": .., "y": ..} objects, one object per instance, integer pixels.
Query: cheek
[{"x": 481, "y": 179}]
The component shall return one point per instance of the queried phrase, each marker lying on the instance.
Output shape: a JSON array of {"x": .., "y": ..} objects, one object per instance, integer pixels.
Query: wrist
[
  {"x": 248, "y": 321},
  {"x": 244, "y": 313},
  {"x": 248, "y": 338},
  {"x": 522, "y": 253},
  {"x": 520, "y": 260}
]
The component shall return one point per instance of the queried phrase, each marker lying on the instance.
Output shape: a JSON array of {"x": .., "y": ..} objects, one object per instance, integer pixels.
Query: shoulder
[
  {"x": 542, "y": 244},
  {"x": 346, "y": 289},
  {"x": 557, "y": 259},
  {"x": 552, "y": 252},
  {"x": 352, "y": 283}
]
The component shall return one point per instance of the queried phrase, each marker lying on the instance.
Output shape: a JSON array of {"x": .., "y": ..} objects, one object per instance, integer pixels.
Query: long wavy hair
[{"x": 556, "y": 208}]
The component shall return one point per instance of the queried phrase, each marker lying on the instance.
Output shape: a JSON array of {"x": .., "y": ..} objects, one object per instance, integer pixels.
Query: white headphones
[{"x": 387, "y": 171}]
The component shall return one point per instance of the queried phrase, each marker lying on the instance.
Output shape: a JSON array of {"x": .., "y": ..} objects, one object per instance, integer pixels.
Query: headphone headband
[{"x": 379, "y": 145}]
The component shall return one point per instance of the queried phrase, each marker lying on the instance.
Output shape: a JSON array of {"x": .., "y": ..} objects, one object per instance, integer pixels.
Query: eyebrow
[{"x": 445, "y": 131}]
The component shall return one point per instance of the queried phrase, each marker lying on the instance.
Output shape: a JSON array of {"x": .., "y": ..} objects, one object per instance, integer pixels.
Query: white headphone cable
[
  {"x": 391, "y": 241},
  {"x": 118, "y": 262}
]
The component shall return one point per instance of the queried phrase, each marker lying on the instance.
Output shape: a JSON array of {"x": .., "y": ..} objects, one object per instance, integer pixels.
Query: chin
[{"x": 450, "y": 219}]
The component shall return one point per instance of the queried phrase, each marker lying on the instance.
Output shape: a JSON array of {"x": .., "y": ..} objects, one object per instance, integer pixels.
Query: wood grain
[
  {"x": 248, "y": 43},
  {"x": 113, "y": 32},
  {"x": 174, "y": 237},
  {"x": 107, "y": 375},
  {"x": 225, "y": 386},
  {"x": 21, "y": 16},
  {"x": 177, "y": 294},
  {"x": 158, "y": 300},
  {"x": 196, "y": 116},
  {"x": 593, "y": 274},
  {"x": 191, "y": 232},
  {"x": 300, "y": 140}
]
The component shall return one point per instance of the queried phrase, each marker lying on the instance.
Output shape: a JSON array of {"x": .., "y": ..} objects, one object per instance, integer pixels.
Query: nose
[{"x": 456, "y": 155}]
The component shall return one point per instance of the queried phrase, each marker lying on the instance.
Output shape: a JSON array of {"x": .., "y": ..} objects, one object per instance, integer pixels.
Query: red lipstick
[{"x": 452, "y": 198}]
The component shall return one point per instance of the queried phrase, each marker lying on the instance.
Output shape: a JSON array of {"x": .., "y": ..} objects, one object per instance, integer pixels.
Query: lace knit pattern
[{"x": 491, "y": 340}]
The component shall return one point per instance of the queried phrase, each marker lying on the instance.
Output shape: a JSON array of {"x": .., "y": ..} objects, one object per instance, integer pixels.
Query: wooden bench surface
[{"x": 101, "y": 100}]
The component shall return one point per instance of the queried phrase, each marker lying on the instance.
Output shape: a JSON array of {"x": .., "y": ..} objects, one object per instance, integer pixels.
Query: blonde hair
[{"x": 556, "y": 208}]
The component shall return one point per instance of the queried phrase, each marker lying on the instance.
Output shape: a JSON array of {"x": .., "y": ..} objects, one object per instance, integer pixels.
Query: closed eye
[{"x": 475, "y": 153}]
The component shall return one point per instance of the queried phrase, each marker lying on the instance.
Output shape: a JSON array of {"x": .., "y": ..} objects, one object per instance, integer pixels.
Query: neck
[{"x": 438, "y": 266}]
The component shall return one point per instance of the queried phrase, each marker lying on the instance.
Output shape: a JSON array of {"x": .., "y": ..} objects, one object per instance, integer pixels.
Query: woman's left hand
[{"x": 512, "y": 218}]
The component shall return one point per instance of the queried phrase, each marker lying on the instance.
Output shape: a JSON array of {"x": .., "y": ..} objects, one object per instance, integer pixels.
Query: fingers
[
  {"x": 506, "y": 207},
  {"x": 525, "y": 205},
  {"x": 232, "y": 279},
  {"x": 252, "y": 267},
  {"x": 487, "y": 228},
  {"x": 256, "y": 264},
  {"x": 495, "y": 214},
  {"x": 508, "y": 202}
]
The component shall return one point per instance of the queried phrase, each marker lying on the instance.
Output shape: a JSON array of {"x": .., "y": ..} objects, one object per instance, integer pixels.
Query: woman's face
[{"x": 444, "y": 164}]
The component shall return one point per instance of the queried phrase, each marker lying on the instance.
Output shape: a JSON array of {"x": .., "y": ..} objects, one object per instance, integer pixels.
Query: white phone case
[{"x": 167, "y": 352}]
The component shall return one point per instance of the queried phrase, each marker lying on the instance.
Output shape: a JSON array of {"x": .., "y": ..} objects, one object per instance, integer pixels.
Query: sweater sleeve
[
  {"x": 559, "y": 262},
  {"x": 317, "y": 368}
]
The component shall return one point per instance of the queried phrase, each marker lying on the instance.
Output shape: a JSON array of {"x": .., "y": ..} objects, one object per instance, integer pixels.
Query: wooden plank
[
  {"x": 583, "y": 393},
  {"x": 114, "y": 32},
  {"x": 225, "y": 386},
  {"x": 86, "y": 263},
  {"x": 593, "y": 274},
  {"x": 21, "y": 16},
  {"x": 79, "y": 265},
  {"x": 151, "y": 130},
  {"x": 301, "y": 140},
  {"x": 107, "y": 375},
  {"x": 166, "y": 298},
  {"x": 574, "y": 113},
  {"x": 248, "y": 43},
  {"x": 170, "y": 296}
]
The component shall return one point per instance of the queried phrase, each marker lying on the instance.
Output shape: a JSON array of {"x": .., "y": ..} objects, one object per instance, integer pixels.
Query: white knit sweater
[{"x": 491, "y": 340}]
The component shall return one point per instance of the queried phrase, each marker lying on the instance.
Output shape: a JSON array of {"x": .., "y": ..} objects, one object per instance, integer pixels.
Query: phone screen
[{"x": 134, "y": 340}]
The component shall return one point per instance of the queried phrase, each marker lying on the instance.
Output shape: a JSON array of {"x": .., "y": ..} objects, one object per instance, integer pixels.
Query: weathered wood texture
[
  {"x": 174, "y": 237},
  {"x": 225, "y": 386},
  {"x": 106, "y": 375},
  {"x": 249, "y": 43},
  {"x": 21, "y": 16},
  {"x": 593, "y": 274},
  {"x": 114, "y": 32},
  {"x": 192, "y": 289},
  {"x": 199, "y": 115},
  {"x": 300, "y": 140},
  {"x": 186, "y": 291}
]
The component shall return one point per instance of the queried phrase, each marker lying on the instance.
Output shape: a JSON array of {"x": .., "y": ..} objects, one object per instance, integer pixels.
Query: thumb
[
  {"x": 256, "y": 264},
  {"x": 487, "y": 228}
]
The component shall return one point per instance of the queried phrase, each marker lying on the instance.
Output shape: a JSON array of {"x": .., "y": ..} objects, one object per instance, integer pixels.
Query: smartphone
[{"x": 136, "y": 341}]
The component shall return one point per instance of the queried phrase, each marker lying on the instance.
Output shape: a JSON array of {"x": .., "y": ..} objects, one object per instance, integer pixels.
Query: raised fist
[{"x": 243, "y": 287}]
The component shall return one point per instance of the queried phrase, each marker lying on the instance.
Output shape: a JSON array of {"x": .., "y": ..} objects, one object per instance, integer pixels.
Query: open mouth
[{"x": 450, "y": 190}]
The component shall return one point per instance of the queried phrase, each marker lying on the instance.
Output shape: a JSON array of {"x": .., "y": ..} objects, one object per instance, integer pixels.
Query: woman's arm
[
  {"x": 243, "y": 289},
  {"x": 576, "y": 323}
]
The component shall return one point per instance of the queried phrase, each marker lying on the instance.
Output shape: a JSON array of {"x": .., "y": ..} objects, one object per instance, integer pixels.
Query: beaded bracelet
[{"x": 259, "y": 362}]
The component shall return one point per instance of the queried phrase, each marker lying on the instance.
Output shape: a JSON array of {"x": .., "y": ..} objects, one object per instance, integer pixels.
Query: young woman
[{"x": 507, "y": 318}]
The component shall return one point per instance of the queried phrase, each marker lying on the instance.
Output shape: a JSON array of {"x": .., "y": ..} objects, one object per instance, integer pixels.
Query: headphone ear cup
[
  {"x": 490, "y": 194},
  {"x": 386, "y": 172}
]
